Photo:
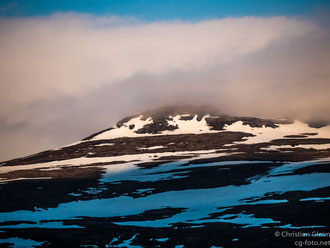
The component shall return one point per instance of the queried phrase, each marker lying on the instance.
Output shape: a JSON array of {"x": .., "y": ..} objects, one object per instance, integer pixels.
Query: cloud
[{"x": 66, "y": 75}]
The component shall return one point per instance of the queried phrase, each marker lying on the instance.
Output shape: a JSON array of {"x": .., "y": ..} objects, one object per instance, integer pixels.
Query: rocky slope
[{"x": 172, "y": 177}]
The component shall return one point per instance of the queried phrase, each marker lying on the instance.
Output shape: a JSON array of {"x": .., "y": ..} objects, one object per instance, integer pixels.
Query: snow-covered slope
[
  {"x": 132, "y": 127},
  {"x": 168, "y": 123},
  {"x": 172, "y": 177},
  {"x": 174, "y": 133},
  {"x": 267, "y": 134}
]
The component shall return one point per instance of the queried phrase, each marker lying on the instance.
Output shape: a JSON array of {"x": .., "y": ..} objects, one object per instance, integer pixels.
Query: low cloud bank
[{"x": 67, "y": 75}]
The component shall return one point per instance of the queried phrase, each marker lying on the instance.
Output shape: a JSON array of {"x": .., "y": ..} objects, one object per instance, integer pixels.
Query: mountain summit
[
  {"x": 171, "y": 177},
  {"x": 178, "y": 120},
  {"x": 172, "y": 133}
]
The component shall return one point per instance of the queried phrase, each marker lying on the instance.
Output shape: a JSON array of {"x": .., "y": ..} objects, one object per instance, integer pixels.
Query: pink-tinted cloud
[{"x": 66, "y": 75}]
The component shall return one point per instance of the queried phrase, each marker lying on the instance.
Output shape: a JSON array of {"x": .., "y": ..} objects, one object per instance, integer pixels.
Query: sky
[
  {"x": 72, "y": 68},
  {"x": 156, "y": 10}
]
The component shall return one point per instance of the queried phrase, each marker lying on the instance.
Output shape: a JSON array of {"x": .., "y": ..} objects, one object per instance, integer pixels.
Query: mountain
[{"x": 180, "y": 176}]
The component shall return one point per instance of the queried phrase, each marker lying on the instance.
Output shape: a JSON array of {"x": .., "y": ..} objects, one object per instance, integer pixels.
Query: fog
[{"x": 68, "y": 75}]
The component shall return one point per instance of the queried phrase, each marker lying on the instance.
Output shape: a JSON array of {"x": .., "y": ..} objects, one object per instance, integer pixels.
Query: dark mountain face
[
  {"x": 172, "y": 177},
  {"x": 198, "y": 126},
  {"x": 162, "y": 118}
]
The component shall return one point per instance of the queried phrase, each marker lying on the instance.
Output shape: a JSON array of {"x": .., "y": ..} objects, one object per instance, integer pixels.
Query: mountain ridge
[
  {"x": 160, "y": 117},
  {"x": 175, "y": 133},
  {"x": 216, "y": 179}
]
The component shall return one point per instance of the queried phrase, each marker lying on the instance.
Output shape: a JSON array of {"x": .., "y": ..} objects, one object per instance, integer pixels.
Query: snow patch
[
  {"x": 151, "y": 148},
  {"x": 129, "y": 128},
  {"x": 305, "y": 146},
  {"x": 124, "y": 161},
  {"x": 106, "y": 144},
  {"x": 23, "y": 178},
  {"x": 124, "y": 130},
  {"x": 267, "y": 134},
  {"x": 192, "y": 126},
  {"x": 317, "y": 199}
]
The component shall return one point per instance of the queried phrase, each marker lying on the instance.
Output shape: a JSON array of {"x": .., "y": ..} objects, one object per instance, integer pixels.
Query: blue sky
[{"x": 165, "y": 9}]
